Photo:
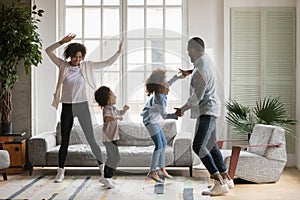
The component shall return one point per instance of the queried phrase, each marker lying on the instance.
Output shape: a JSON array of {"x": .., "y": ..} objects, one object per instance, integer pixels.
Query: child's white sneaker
[
  {"x": 107, "y": 182},
  {"x": 60, "y": 175},
  {"x": 110, "y": 183}
]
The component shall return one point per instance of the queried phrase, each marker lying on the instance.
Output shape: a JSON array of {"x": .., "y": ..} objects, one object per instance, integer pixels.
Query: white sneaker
[
  {"x": 107, "y": 182},
  {"x": 110, "y": 183},
  {"x": 60, "y": 175},
  {"x": 217, "y": 189},
  {"x": 230, "y": 183},
  {"x": 101, "y": 169}
]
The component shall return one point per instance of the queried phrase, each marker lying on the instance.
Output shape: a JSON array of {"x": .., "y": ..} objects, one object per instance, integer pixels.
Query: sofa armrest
[
  {"x": 221, "y": 142},
  {"x": 39, "y": 145},
  {"x": 182, "y": 147}
]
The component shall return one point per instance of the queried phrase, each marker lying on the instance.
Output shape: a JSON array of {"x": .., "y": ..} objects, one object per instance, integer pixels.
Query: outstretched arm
[
  {"x": 111, "y": 60},
  {"x": 50, "y": 50},
  {"x": 181, "y": 74},
  {"x": 118, "y": 116},
  {"x": 125, "y": 108}
]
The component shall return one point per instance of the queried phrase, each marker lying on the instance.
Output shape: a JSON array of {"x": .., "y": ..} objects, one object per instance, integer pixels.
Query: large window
[{"x": 154, "y": 37}]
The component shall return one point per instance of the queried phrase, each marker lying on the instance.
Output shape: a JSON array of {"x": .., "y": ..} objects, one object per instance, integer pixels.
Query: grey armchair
[
  {"x": 264, "y": 159},
  {"x": 4, "y": 161}
]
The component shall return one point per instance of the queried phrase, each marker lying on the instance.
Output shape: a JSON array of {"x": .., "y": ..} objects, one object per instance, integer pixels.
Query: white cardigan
[{"x": 86, "y": 67}]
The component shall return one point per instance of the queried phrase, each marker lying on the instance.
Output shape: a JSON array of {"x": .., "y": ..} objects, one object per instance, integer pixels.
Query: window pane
[
  {"x": 135, "y": 23},
  {"x": 93, "y": 50},
  {"x": 173, "y": 51},
  {"x": 155, "y": 53},
  {"x": 74, "y": 21},
  {"x": 73, "y": 2},
  {"x": 111, "y": 2},
  {"x": 136, "y": 107},
  {"x": 109, "y": 48},
  {"x": 154, "y": 2},
  {"x": 92, "y": 23},
  {"x": 92, "y": 2},
  {"x": 154, "y": 22},
  {"x": 111, "y": 22},
  {"x": 173, "y": 20},
  {"x": 135, "y": 2},
  {"x": 135, "y": 52},
  {"x": 136, "y": 84},
  {"x": 173, "y": 2},
  {"x": 111, "y": 80}
]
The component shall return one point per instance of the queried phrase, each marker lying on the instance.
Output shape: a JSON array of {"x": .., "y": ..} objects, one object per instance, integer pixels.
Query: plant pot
[{"x": 6, "y": 128}]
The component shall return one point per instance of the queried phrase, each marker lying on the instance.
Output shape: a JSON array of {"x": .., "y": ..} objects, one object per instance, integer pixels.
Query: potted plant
[
  {"x": 267, "y": 111},
  {"x": 20, "y": 44}
]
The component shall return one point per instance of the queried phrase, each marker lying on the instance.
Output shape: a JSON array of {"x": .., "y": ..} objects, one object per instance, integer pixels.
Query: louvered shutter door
[
  {"x": 263, "y": 57},
  {"x": 279, "y": 63}
]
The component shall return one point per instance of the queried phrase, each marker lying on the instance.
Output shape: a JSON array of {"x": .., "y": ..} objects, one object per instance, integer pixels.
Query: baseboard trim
[{"x": 291, "y": 160}]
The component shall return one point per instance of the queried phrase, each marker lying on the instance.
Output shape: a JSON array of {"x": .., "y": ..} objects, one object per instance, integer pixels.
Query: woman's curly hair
[
  {"x": 72, "y": 49},
  {"x": 156, "y": 81}
]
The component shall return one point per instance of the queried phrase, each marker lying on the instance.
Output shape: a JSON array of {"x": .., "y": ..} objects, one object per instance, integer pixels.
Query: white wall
[
  {"x": 44, "y": 77},
  {"x": 298, "y": 85}
]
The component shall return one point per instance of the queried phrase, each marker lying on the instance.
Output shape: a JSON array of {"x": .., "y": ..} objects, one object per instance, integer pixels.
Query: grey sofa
[{"x": 135, "y": 145}]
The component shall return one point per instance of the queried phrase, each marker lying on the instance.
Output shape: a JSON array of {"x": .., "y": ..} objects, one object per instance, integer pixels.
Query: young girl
[
  {"x": 154, "y": 109},
  {"x": 106, "y": 99}
]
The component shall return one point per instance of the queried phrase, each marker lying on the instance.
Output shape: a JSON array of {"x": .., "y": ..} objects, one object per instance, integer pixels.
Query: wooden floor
[{"x": 287, "y": 188}]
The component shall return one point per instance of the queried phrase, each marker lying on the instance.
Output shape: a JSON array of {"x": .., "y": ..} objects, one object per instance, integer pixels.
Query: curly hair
[
  {"x": 102, "y": 95},
  {"x": 156, "y": 81},
  {"x": 72, "y": 49}
]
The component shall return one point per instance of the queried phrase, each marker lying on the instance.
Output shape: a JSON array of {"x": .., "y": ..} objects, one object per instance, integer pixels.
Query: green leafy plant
[
  {"x": 20, "y": 43},
  {"x": 267, "y": 111}
]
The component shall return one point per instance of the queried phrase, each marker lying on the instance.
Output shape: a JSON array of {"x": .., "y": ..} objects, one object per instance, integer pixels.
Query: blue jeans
[
  {"x": 160, "y": 142},
  {"x": 205, "y": 145}
]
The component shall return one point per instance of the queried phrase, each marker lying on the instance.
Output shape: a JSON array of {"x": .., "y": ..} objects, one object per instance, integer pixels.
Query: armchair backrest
[{"x": 268, "y": 134}]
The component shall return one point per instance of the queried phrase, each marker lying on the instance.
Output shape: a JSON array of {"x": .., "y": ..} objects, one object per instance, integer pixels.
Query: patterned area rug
[{"x": 128, "y": 187}]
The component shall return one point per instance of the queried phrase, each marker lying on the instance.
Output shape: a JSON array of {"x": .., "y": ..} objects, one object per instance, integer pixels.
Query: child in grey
[{"x": 106, "y": 100}]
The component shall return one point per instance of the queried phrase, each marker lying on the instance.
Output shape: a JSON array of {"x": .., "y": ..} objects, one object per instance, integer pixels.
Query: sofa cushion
[
  {"x": 133, "y": 156},
  {"x": 136, "y": 134},
  {"x": 77, "y": 136}
]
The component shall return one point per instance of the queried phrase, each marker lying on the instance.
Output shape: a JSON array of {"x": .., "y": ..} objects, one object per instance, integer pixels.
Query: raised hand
[
  {"x": 126, "y": 107},
  {"x": 184, "y": 73},
  {"x": 67, "y": 38}
]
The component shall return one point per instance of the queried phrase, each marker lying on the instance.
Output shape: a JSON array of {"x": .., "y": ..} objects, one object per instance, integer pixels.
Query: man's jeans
[{"x": 205, "y": 145}]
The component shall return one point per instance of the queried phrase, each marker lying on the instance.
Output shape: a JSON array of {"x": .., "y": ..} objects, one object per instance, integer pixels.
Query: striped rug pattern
[{"x": 128, "y": 187}]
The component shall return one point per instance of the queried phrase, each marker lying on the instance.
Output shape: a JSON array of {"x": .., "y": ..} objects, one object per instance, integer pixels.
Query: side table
[{"x": 16, "y": 147}]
